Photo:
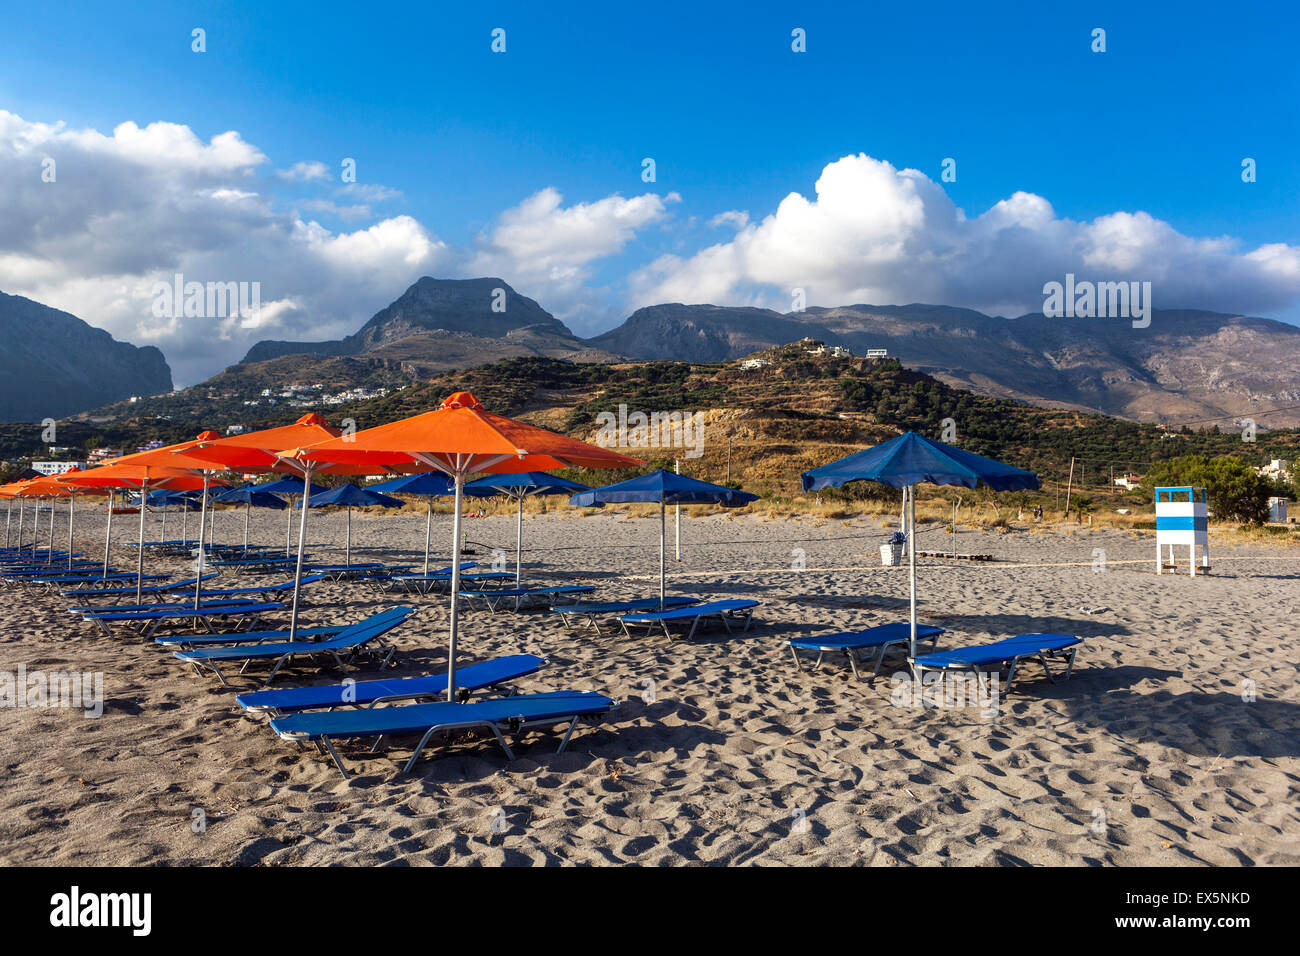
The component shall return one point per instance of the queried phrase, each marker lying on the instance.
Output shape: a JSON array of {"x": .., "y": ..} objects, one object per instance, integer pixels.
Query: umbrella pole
[
  {"x": 302, "y": 543},
  {"x": 455, "y": 579},
  {"x": 139, "y": 560},
  {"x": 9, "y": 517},
  {"x": 428, "y": 530},
  {"x": 185, "y": 521},
  {"x": 71, "y": 506},
  {"x": 347, "y": 541},
  {"x": 911, "y": 563},
  {"x": 662, "y": 535},
  {"x": 20, "y": 525},
  {"x": 163, "y": 533},
  {"x": 519, "y": 542},
  {"x": 248, "y": 511},
  {"x": 108, "y": 530},
  {"x": 203, "y": 517},
  {"x": 51, "y": 558}
]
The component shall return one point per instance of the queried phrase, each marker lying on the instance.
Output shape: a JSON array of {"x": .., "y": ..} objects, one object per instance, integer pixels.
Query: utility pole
[
  {"x": 728, "y": 459},
  {"x": 1068, "y": 485}
]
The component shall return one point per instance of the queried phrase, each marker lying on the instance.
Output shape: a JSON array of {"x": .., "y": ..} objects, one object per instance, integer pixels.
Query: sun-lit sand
[{"x": 720, "y": 752}]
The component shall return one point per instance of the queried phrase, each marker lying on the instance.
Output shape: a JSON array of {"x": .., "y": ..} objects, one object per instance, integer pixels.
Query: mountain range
[
  {"x": 1187, "y": 366},
  {"x": 53, "y": 364}
]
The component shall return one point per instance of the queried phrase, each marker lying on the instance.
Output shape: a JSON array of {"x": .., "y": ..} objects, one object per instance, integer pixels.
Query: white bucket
[{"x": 891, "y": 555}]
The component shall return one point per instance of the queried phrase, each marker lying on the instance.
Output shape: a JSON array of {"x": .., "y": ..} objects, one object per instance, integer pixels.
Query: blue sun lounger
[
  {"x": 249, "y": 565},
  {"x": 266, "y": 592},
  {"x": 441, "y": 581},
  {"x": 368, "y": 693},
  {"x": 508, "y": 714},
  {"x": 724, "y": 611},
  {"x": 346, "y": 645},
  {"x": 593, "y": 611},
  {"x": 1003, "y": 656},
  {"x": 188, "y": 641},
  {"x": 852, "y": 644},
  {"x": 63, "y": 580},
  {"x": 121, "y": 592},
  {"x": 145, "y": 623},
  {"x": 98, "y": 610},
  {"x": 543, "y": 597}
]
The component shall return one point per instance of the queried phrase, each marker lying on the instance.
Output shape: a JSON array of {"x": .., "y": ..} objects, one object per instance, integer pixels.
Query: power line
[{"x": 1224, "y": 418}]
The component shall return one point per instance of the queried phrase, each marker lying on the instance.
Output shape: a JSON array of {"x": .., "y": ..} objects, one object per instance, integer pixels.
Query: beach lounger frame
[
  {"x": 1001, "y": 657},
  {"x": 548, "y": 597},
  {"x": 241, "y": 616},
  {"x": 335, "y": 646},
  {"x": 736, "y": 610},
  {"x": 514, "y": 725},
  {"x": 853, "y": 643},
  {"x": 592, "y": 612}
]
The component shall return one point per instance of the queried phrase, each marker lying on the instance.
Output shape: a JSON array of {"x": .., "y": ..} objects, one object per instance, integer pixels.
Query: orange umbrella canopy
[
  {"x": 136, "y": 476},
  {"x": 55, "y": 486},
  {"x": 264, "y": 450},
  {"x": 461, "y": 436},
  {"x": 170, "y": 456}
]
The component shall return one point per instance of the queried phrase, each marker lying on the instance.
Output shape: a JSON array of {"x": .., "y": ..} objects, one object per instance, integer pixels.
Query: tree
[{"x": 1233, "y": 490}]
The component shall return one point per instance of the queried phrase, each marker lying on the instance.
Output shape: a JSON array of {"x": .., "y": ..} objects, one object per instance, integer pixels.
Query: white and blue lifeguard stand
[{"x": 1182, "y": 520}]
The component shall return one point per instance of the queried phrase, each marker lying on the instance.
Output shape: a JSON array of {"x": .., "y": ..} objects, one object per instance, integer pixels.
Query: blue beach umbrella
[
  {"x": 666, "y": 488},
  {"x": 906, "y": 461},
  {"x": 521, "y": 485},
  {"x": 350, "y": 496}
]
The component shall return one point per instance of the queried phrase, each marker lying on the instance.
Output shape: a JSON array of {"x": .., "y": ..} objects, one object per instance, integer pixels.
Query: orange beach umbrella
[
  {"x": 264, "y": 451},
  {"x": 460, "y": 438},
  {"x": 141, "y": 477}
]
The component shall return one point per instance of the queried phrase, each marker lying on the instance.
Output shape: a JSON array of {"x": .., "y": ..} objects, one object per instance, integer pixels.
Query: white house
[
  {"x": 55, "y": 467},
  {"x": 1128, "y": 482}
]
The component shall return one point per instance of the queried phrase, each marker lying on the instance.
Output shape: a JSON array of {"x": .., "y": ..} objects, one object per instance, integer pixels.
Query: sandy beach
[{"x": 721, "y": 752}]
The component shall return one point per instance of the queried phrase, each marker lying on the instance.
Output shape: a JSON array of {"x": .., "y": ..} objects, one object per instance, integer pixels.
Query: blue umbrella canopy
[
  {"x": 520, "y": 485},
  {"x": 249, "y": 495},
  {"x": 667, "y": 488},
  {"x": 351, "y": 496},
  {"x": 912, "y": 459},
  {"x": 525, "y": 483},
  {"x": 290, "y": 487}
]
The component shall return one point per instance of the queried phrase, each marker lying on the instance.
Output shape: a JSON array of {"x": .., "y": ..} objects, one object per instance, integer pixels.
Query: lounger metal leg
[
  {"x": 567, "y": 734},
  {"x": 853, "y": 663},
  {"x": 333, "y": 753},
  {"x": 220, "y": 676}
]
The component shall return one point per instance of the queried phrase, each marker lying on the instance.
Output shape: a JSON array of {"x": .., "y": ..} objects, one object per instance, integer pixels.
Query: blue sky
[{"x": 734, "y": 119}]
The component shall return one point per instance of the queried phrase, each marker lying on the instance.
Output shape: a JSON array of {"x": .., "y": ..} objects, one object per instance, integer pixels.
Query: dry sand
[{"x": 721, "y": 752}]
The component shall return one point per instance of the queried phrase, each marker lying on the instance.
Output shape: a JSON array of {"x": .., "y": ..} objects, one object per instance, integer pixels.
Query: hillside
[
  {"x": 53, "y": 364},
  {"x": 1187, "y": 366}
]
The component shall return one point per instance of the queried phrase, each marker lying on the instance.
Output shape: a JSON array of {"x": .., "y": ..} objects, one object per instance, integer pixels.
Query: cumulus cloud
[
  {"x": 128, "y": 210},
  {"x": 306, "y": 171},
  {"x": 881, "y": 235},
  {"x": 546, "y": 249}
]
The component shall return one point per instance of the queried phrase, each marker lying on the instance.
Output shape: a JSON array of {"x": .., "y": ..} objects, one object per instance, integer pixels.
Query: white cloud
[
  {"x": 881, "y": 235},
  {"x": 547, "y": 250},
  {"x": 737, "y": 219},
  {"x": 138, "y": 206},
  {"x": 305, "y": 171}
]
